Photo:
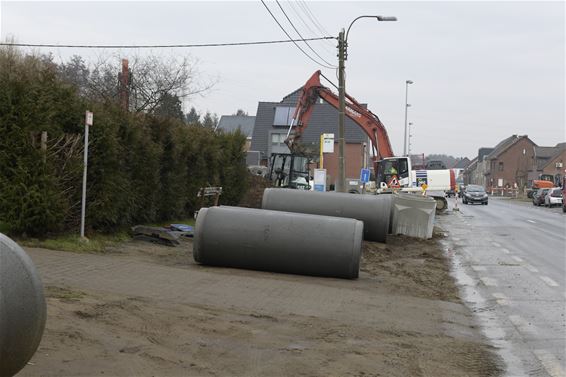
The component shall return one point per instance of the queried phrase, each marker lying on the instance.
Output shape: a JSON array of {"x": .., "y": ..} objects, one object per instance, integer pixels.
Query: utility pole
[
  {"x": 340, "y": 184},
  {"x": 342, "y": 56}
]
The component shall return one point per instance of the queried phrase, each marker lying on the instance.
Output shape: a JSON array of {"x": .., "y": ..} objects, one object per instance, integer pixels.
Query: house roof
[
  {"x": 505, "y": 144},
  {"x": 472, "y": 165},
  {"x": 483, "y": 152},
  {"x": 231, "y": 123},
  {"x": 545, "y": 155},
  {"x": 461, "y": 164}
]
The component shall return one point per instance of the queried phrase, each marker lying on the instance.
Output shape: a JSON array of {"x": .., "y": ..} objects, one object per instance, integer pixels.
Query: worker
[{"x": 392, "y": 170}]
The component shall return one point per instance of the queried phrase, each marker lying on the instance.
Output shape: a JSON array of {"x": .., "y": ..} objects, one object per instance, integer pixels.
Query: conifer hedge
[{"x": 142, "y": 168}]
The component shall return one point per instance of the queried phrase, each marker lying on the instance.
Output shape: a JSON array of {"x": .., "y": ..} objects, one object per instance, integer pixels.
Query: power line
[
  {"x": 165, "y": 46},
  {"x": 312, "y": 17},
  {"x": 297, "y": 31},
  {"x": 291, "y": 39},
  {"x": 306, "y": 24}
]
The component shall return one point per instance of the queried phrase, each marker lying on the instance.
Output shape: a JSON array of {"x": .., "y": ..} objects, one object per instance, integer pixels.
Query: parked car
[
  {"x": 474, "y": 194},
  {"x": 539, "y": 195},
  {"x": 553, "y": 197}
]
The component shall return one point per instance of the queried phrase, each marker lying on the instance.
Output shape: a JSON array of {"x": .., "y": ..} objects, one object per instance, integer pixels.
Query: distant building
[
  {"x": 243, "y": 123},
  {"x": 462, "y": 164},
  {"x": 549, "y": 161},
  {"x": 272, "y": 125}
]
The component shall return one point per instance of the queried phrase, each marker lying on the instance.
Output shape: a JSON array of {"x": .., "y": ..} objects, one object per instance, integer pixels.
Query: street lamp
[
  {"x": 410, "y": 135},
  {"x": 406, "y": 108},
  {"x": 342, "y": 56}
]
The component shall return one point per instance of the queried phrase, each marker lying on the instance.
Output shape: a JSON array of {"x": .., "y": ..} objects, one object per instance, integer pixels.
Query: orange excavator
[{"x": 391, "y": 172}]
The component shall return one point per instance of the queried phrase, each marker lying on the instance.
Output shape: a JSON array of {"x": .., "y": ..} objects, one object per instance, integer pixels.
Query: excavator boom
[{"x": 368, "y": 121}]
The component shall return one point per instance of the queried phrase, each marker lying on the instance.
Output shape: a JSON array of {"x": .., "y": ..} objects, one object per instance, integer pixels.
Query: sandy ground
[{"x": 95, "y": 333}]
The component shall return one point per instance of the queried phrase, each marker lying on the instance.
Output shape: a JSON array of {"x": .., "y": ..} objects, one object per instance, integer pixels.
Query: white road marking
[
  {"x": 506, "y": 251},
  {"x": 530, "y": 268},
  {"x": 479, "y": 268},
  {"x": 531, "y": 221},
  {"x": 549, "y": 281},
  {"x": 496, "y": 244},
  {"x": 550, "y": 363},
  {"x": 456, "y": 239},
  {"x": 490, "y": 282},
  {"x": 518, "y": 259}
]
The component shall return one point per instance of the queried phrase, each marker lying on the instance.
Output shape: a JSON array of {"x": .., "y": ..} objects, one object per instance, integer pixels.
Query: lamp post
[
  {"x": 410, "y": 135},
  {"x": 406, "y": 108},
  {"x": 342, "y": 56}
]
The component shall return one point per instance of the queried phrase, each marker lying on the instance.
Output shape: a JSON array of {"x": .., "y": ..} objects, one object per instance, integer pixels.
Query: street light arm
[{"x": 379, "y": 18}]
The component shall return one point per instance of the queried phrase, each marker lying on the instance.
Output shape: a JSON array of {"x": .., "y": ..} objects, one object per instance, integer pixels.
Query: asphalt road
[{"x": 510, "y": 260}]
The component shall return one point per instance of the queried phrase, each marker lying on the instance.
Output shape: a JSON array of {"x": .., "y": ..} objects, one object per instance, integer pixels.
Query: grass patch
[{"x": 72, "y": 242}]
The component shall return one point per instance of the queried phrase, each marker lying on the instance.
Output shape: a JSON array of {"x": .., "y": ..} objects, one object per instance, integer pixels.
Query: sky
[{"x": 482, "y": 70}]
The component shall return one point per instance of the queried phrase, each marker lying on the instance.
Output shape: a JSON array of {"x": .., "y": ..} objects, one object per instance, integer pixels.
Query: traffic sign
[{"x": 364, "y": 175}]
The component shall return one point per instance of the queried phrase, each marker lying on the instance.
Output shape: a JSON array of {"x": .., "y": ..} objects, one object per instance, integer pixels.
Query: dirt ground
[{"x": 91, "y": 332}]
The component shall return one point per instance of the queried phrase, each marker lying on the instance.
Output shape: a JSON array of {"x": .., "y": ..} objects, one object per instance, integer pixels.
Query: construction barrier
[
  {"x": 373, "y": 210},
  {"x": 413, "y": 215},
  {"x": 278, "y": 241},
  {"x": 22, "y": 308}
]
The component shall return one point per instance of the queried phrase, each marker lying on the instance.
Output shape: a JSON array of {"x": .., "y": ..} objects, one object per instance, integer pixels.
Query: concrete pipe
[
  {"x": 373, "y": 210},
  {"x": 22, "y": 308},
  {"x": 278, "y": 241}
]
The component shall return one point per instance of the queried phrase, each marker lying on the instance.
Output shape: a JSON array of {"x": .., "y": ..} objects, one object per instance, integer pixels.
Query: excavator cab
[
  {"x": 289, "y": 171},
  {"x": 393, "y": 172}
]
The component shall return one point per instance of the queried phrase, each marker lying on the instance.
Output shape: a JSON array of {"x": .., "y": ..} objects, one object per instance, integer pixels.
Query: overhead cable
[
  {"x": 297, "y": 31},
  {"x": 193, "y": 45},
  {"x": 291, "y": 39}
]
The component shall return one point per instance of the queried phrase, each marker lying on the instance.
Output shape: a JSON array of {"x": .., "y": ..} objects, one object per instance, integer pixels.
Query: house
[
  {"x": 272, "y": 125},
  {"x": 550, "y": 161},
  {"x": 509, "y": 162},
  {"x": 462, "y": 163},
  {"x": 243, "y": 123},
  {"x": 475, "y": 173}
]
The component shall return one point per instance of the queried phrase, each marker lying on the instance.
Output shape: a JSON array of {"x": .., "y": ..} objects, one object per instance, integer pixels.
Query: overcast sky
[{"x": 482, "y": 71}]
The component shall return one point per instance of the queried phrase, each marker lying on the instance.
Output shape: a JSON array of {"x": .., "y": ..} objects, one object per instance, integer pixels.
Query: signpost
[
  {"x": 88, "y": 123},
  {"x": 364, "y": 178}
]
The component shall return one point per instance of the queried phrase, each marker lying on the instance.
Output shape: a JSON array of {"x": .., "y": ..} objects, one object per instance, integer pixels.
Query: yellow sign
[{"x": 424, "y": 186}]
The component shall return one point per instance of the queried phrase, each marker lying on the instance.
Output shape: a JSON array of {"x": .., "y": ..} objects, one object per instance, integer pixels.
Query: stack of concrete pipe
[
  {"x": 300, "y": 232},
  {"x": 22, "y": 308}
]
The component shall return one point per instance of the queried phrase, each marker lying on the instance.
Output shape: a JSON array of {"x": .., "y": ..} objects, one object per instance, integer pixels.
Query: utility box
[{"x": 413, "y": 215}]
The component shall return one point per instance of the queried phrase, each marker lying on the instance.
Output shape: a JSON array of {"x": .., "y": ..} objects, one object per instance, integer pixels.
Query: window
[
  {"x": 500, "y": 166},
  {"x": 283, "y": 116},
  {"x": 278, "y": 139}
]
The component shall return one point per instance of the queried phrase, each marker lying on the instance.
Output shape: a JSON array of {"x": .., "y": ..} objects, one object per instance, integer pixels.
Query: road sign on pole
[
  {"x": 88, "y": 122},
  {"x": 364, "y": 175}
]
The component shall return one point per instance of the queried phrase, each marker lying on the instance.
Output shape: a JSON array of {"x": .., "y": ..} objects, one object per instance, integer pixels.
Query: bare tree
[{"x": 153, "y": 79}]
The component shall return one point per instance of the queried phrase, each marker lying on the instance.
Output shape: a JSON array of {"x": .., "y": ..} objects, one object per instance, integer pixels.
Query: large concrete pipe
[
  {"x": 373, "y": 210},
  {"x": 278, "y": 241},
  {"x": 22, "y": 308}
]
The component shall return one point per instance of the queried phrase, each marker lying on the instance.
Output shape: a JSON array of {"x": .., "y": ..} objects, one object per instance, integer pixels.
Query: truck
[{"x": 392, "y": 173}]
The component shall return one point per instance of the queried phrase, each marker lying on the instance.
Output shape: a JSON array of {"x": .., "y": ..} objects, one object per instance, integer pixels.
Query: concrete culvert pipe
[
  {"x": 278, "y": 241},
  {"x": 22, "y": 308},
  {"x": 373, "y": 210}
]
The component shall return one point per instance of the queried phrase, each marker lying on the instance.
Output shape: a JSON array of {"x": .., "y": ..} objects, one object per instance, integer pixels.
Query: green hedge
[{"x": 142, "y": 168}]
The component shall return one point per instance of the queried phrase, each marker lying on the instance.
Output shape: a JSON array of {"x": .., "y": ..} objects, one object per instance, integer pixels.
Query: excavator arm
[{"x": 368, "y": 121}]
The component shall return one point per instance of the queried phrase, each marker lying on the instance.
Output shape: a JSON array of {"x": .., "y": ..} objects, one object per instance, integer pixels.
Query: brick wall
[{"x": 512, "y": 165}]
